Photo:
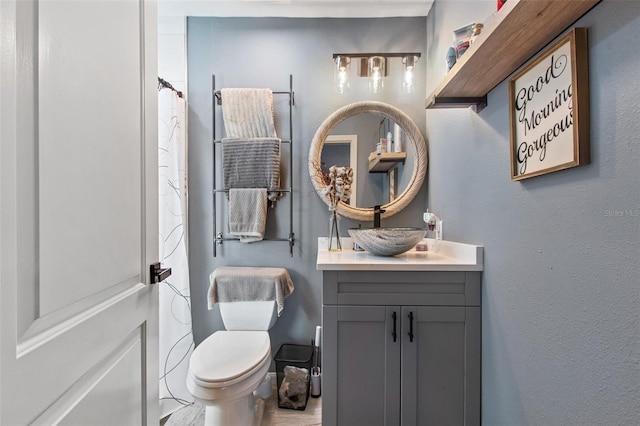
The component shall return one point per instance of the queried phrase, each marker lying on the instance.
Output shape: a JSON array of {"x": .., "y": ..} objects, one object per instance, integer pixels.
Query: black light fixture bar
[{"x": 384, "y": 55}]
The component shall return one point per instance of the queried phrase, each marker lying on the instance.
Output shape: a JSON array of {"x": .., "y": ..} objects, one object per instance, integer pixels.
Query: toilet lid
[{"x": 226, "y": 355}]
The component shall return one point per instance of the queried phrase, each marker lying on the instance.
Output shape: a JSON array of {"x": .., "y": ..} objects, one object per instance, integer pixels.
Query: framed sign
[{"x": 549, "y": 109}]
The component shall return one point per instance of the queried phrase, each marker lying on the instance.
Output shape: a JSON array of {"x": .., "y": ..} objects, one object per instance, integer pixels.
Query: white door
[{"x": 78, "y": 212}]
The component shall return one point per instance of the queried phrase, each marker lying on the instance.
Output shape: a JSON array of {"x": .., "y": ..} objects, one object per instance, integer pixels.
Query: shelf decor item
[{"x": 549, "y": 109}]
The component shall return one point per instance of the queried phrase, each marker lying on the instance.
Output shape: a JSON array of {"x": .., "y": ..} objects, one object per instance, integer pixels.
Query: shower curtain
[{"x": 176, "y": 338}]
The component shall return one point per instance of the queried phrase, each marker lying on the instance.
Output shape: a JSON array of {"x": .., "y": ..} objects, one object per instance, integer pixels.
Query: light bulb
[
  {"x": 408, "y": 85},
  {"x": 341, "y": 74},
  {"x": 407, "y": 82},
  {"x": 376, "y": 74}
]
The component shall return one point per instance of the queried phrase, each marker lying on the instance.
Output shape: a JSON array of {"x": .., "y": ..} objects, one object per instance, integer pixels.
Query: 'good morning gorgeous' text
[{"x": 535, "y": 122}]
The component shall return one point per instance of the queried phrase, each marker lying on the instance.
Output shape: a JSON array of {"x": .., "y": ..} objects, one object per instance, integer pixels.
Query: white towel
[
  {"x": 247, "y": 283},
  {"x": 248, "y": 113},
  {"x": 248, "y": 213}
]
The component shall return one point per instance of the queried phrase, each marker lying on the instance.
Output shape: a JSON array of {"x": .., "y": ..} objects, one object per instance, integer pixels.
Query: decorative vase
[{"x": 334, "y": 232}]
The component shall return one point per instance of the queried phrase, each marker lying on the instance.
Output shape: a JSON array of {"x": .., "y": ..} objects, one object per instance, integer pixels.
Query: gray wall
[
  {"x": 252, "y": 52},
  {"x": 561, "y": 333}
]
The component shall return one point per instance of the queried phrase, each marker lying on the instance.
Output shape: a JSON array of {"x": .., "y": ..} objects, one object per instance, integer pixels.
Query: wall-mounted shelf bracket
[
  {"x": 476, "y": 103},
  {"x": 291, "y": 243}
]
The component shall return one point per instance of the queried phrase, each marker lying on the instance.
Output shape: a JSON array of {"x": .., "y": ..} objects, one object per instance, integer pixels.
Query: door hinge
[{"x": 157, "y": 273}]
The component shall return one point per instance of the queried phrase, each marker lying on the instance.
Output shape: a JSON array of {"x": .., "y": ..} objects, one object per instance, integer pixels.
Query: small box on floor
[{"x": 293, "y": 367}]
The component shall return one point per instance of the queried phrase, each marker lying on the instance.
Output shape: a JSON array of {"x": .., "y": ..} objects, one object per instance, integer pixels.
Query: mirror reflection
[
  {"x": 381, "y": 165},
  {"x": 342, "y": 150}
]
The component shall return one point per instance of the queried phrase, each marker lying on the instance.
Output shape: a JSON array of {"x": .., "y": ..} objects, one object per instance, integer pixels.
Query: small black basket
[{"x": 300, "y": 356}]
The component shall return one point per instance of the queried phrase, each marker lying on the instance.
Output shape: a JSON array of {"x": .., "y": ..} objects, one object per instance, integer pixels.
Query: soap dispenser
[{"x": 433, "y": 223}]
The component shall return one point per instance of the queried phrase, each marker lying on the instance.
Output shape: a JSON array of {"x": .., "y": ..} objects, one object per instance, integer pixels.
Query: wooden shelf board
[
  {"x": 380, "y": 163},
  {"x": 517, "y": 32}
]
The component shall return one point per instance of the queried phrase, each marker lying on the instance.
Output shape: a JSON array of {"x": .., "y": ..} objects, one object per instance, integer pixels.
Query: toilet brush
[{"x": 315, "y": 370}]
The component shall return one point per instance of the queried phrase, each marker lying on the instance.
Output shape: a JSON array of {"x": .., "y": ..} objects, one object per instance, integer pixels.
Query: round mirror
[{"x": 415, "y": 148}]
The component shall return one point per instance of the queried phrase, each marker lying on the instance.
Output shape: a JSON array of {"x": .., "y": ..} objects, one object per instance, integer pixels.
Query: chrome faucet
[{"x": 377, "y": 211}]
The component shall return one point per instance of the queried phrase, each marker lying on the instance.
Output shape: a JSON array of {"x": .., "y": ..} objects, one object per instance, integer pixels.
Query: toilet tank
[{"x": 253, "y": 315}]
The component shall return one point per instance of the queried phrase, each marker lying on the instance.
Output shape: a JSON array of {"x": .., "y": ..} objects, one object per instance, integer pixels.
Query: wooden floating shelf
[
  {"x": 517, "y": 32},
  {"x": 385, "y": 161}
]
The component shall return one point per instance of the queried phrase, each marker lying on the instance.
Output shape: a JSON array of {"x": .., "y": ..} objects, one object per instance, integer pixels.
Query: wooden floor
[{"x": 273, "y": 416}]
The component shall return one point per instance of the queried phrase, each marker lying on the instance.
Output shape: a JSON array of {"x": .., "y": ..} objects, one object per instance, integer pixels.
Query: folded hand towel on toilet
[{"x": 248, "y": 283}]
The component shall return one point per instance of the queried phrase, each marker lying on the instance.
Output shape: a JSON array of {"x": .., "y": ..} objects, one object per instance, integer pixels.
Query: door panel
[
  {"x": 111, "y": 389},
  {"x": 84, "y": 118},
  {"x": 433, "y": 377},
  {"x": 103, "y": 387},
  {"x": 78, "y": 212},
  {"x": 364, "y": 364}
]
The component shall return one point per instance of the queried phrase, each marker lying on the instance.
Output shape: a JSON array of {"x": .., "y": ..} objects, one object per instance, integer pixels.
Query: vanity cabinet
[{"x": 401, "y": 348}]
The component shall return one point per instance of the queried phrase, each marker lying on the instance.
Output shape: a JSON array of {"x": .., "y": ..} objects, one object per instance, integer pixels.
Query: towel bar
[
  {"x": 268, "y": 190},
  {"x": 220, "y": 239},
  {"x": 218, "y": 96},
  {"x": 281, "y": 141}
]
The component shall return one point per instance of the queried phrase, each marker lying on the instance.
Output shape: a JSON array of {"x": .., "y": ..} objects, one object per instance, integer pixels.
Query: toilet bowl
[
  {"x": 228, "y": 370},
  {"x": 225, "y": 371}
]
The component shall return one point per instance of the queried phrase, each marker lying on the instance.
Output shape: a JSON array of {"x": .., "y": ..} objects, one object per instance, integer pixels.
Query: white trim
[{"x": 295, "y": 8}]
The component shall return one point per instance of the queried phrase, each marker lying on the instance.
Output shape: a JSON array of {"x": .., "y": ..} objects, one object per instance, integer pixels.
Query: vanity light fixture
[{"x": 373, "y": 66}]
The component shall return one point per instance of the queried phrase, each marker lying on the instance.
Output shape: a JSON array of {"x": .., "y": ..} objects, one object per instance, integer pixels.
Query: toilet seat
[{"x": 228, "y": 357}]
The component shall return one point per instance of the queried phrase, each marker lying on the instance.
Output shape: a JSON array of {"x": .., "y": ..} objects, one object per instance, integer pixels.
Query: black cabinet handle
[
  {"x": 411, "y": 326},
  {"x": 395, "y": 320}
]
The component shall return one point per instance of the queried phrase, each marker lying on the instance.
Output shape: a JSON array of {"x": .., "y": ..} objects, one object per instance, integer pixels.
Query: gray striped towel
[
  {"x": 251, "y": 163},
  {"x": 248, "y": 113},
  {"x": 248, "y": 283}
]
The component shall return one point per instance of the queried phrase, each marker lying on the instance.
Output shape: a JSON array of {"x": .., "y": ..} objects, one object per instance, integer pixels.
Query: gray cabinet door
[
  {"x": 440, "y": 365},
  {"x": 362, "y": 361}
]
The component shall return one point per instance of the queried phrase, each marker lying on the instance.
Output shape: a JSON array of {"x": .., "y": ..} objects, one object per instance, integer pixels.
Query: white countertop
[{"x": 440, "y": 256}]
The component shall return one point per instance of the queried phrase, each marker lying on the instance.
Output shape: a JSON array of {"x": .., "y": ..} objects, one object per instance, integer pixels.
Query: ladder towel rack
[{"x": 219, "y": 236}]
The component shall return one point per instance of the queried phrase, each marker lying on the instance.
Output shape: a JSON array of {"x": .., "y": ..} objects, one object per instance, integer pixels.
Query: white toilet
[{"x": 228, "y": 370}]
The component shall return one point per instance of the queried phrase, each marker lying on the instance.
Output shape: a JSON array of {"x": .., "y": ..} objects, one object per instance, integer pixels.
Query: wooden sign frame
[{"x": 549, "y": 109}]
